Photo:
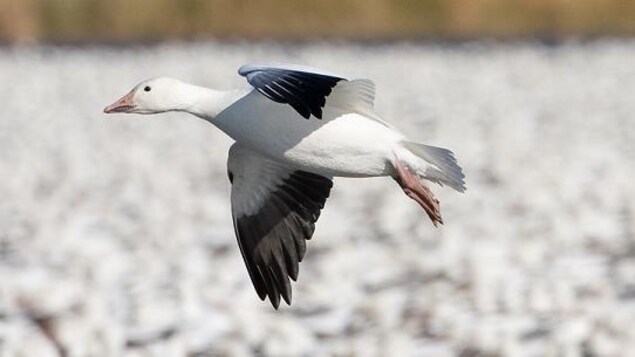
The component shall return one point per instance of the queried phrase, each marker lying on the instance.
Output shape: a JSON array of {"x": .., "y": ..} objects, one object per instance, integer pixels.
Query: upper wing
[
  {"x": 304, "y": 88},
  {"x": 274, "y": 209}
]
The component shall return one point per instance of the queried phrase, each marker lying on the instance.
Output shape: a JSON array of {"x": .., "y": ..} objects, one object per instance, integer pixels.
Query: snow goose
[{"x": 295, "y": 129}]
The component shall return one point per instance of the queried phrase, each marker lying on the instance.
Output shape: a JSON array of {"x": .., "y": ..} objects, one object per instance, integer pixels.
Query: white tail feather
[{"x": 444, "y": 168}]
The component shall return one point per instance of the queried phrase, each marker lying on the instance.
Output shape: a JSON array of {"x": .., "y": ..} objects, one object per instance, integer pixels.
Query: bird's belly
[
  {"x": 341, "y": 148},
  {"x": 346, "y": 145}
]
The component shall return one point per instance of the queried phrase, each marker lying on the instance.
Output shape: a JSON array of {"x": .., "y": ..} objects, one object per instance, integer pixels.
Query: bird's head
[{"x": 149, "y": 97}]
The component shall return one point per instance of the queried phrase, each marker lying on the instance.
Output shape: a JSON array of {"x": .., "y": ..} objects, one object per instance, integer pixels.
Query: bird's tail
[
  {"x": 439, "y": 165},
  {"x": 414, "y": 163}
]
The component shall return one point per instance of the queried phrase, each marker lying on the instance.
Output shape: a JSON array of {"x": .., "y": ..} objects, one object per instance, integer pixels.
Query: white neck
[{"x": 204, "y": 102}]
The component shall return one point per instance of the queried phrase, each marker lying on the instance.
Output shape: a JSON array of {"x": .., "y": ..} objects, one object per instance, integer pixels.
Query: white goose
[{"x": 298, "y": 129}]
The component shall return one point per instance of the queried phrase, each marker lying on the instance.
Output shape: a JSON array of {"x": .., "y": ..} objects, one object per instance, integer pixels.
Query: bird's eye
[{"x": 147, "y": 88}]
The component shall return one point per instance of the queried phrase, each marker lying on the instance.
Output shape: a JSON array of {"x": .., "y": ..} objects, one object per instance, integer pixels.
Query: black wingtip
[
  {"x": 275, "y": 302},
  {"x": 274, "y": 298},
  {"x": 287, "y": 298}
]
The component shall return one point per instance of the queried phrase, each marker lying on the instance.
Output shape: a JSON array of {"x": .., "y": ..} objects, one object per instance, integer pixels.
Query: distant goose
[{"x": 298, "y": 129}]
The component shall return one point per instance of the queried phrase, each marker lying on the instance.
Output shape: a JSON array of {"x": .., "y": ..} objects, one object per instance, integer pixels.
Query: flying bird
[{"x": 295, "y": 129}]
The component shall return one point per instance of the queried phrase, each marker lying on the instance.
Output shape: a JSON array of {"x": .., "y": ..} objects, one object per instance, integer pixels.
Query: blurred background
[
  {"x": 115, "y": 231},
  {"x": 143, "y": 20}
]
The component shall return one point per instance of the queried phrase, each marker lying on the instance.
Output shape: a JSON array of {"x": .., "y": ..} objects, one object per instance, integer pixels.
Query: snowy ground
[{"x": 116, "y": 237}]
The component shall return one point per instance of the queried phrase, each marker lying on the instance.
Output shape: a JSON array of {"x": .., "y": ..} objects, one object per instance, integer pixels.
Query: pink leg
[{"x": 415, "y": 189}]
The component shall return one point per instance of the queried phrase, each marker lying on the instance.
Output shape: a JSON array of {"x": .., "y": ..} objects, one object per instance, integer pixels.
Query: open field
[{"x": 116, "y": 237}]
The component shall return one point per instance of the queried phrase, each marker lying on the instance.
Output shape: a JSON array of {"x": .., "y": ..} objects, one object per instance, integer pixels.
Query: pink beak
[{"x": 123, "y": 105}]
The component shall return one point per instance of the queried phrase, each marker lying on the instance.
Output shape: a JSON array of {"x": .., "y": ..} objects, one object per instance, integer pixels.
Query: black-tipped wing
[
  {"x": 274, "y": 209},
  {"x": 304, "y": 88}
]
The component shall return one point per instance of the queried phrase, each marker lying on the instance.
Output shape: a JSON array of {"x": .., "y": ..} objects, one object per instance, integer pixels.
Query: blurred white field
[{"x": 116, "y": 236}]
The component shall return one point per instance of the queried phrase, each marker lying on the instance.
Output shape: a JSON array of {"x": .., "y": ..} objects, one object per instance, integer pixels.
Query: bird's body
[
  {"x": 327, "y": 146},
  {"x": 295, "y": 131}
]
